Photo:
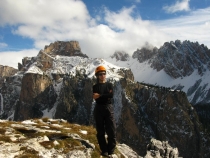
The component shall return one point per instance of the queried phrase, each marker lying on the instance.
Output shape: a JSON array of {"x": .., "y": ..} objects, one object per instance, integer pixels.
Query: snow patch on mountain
[{"x": 34, "y": 69}]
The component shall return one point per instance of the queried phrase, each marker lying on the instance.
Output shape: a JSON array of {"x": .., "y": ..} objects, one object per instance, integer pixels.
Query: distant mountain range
[
  {"x": 183, "y": 66},
  {"x": 155, "y": 92}
]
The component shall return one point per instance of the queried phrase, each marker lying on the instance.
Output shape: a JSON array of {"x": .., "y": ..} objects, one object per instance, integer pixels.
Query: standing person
[{"x": 103, "y": 113}]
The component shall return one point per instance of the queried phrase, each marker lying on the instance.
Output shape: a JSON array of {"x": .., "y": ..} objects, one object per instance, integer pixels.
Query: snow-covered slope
[
  {"x": 70, "y": 65},
  {"x": 144, "y": 73}
]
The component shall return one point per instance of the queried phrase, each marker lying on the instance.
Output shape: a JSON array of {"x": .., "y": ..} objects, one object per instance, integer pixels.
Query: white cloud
[
  {"x": 42, "y": 12},
  {"x": 44, "y": 20},
  {"x": 3, "y": 45},
  {"x": 178, "y": 6},
  {"x": 12, "y": 58},
  {"x": 133, "y": 32},
  {"x": 194, "y": 27}
]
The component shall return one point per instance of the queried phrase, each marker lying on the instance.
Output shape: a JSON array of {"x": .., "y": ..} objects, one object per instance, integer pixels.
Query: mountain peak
[
  {"x": 6, "y": 71},
  {"x": 120, "y": 55},
  {"x": 65, "y": 48}
]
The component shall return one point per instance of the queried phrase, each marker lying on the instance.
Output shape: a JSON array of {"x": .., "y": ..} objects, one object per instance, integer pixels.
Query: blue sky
[{"x": 101, "y": 26}]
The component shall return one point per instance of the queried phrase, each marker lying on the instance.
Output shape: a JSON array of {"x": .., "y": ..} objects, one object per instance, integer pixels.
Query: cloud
[
  {"x": 41, "y": 12},
  {"x": 193, "y": 27},
  {"x": 3, "y": 45},
  {"x": 12, "y": 58},
  {"x": 178, "y": 6},
  {"x": 132, "y": 32}
]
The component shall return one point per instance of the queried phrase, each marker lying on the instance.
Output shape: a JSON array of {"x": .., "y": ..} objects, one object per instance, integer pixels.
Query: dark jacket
[{"x": 106, "y": 92}]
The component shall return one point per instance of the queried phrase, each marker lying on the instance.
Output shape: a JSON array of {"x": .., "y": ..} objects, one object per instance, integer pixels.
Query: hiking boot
[
  {"x": 110, "y": 153},
  {"x": 105, "y": 154}
]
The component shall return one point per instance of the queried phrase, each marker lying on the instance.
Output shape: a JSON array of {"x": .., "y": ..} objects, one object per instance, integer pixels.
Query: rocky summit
[
  {"x": 58, "y": 84},
  {"x": 48, "y": 138}
]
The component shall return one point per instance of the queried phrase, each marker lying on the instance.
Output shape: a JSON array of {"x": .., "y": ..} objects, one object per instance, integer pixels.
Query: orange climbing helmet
[{"x": 100, "y": 68}]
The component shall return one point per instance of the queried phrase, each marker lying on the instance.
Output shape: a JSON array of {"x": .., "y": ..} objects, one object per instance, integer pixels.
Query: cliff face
[
  {"x": 36, "y": 94},
  {"x": 75, "y": 100},
  {"x": 160, "y": 113},
  {"x": 9, "y": 90},
  {"x": 5, "y": 72}
]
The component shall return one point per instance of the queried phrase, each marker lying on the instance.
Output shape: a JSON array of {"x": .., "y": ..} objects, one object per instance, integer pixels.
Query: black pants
[{"x": 104, "y": 118}]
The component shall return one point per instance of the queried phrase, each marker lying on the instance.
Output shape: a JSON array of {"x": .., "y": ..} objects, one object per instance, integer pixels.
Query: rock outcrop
[
  {"x": 158, "y": 149},
  {"x": 6, "y": 71},
  {"x": 69, "y": 48},
  {"x": 144, "y": 54},
  {"x": 122, "y": 56}
]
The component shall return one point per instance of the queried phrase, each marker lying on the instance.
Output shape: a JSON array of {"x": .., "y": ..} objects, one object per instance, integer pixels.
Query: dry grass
[
  {"x": 2, "y": 131},
  {"x": 28, "y": 153},
  {"x": 5, "y": 138},
  {"x": 5, "y": 125},
  {"x": 47, "y": 144}
]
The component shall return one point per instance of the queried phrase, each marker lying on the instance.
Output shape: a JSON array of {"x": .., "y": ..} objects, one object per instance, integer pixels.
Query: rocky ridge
[
  {"x": 177, "y": 59},
  {"x": 180, "y": 60}
]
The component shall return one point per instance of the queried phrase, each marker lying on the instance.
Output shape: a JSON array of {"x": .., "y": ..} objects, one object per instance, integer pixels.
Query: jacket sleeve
[
  {"x": 94, "y": 89},
  {"x": 110, "y": 93}
]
